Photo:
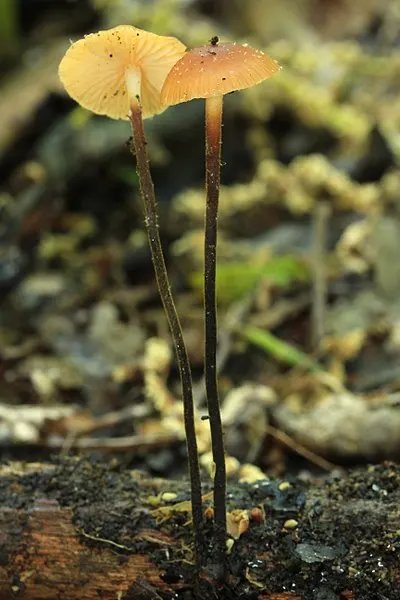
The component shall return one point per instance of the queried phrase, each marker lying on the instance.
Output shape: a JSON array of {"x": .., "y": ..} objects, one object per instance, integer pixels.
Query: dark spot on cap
[
  {"x": 214, "y": 40},
  {"x": 115, "y": 93},
  {"x": 105, "y": 96},
  {"x": 211, "y": 52},
  {"x": 110, "y": 55},
  {"x": 138, "y": 34},
  {"x": 224, "y": 79}
]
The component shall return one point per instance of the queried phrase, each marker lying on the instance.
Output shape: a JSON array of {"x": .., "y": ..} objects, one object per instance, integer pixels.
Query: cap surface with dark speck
[
  {"x": 95, "y": 69},
  {"x": 214, "y": 70}
]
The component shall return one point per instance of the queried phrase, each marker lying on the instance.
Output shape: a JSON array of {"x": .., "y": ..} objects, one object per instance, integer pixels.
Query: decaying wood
[
  {"x": 81, "y": 529},
  {"x": 48, "y": 558}
]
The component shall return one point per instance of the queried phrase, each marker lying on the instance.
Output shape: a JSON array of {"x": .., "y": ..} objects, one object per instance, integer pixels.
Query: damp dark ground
[{"x": 316, "y": 540}]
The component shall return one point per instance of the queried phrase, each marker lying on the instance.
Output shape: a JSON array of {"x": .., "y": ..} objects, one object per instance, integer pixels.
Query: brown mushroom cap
[
  {"x": 214, "y": 70},
  {"x": 101, "y": 70}
]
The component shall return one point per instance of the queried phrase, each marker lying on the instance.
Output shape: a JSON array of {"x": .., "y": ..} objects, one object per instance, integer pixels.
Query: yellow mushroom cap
[
  {"x": 103, "y": 70},
  {"x": 214, "y": 70}
]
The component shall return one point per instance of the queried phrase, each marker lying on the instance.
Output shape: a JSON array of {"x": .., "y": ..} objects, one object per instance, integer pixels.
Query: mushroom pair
[{"x": 127, "y": 73}]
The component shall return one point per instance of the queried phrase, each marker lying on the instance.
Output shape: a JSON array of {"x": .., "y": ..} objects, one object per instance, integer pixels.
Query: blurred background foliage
[{"x": 309, "y": 223}]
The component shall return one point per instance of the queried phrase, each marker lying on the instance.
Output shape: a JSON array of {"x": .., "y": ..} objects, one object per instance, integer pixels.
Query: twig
[
  {"x": 113, "y": 418},
  {"x": 322, "y": 211},
  {"x": 300, "y": 449},
  {"x": 120, "y": 444}
]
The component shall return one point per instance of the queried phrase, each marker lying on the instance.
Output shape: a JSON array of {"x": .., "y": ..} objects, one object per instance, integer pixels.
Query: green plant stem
[
  {"x": 152, "y": 226},
  {"x": 9, "y": 35},
  {"x": 213, "y": 161}
]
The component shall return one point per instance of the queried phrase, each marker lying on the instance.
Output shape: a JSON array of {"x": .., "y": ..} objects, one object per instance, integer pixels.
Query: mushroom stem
[
  {"x": 213, "y": 161},
  {"x": 152, "y": 226}
]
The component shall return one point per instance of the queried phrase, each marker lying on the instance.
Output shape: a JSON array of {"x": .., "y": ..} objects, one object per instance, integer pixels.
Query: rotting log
[
  {"x": 83, "y": 529},
  {"x": 44, "y": 557}
]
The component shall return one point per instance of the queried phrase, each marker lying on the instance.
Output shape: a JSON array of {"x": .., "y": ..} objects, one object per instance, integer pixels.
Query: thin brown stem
[
  {"x": 152, "y": 226},
  {"x": 213, "y": 161}
]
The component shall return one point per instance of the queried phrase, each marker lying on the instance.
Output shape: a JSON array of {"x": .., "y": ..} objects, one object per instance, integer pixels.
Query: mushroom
[
  {"x": 112, "y": 71},
  {"x": 119, "y": 73},
  {"x": 210, "y": 72}
]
